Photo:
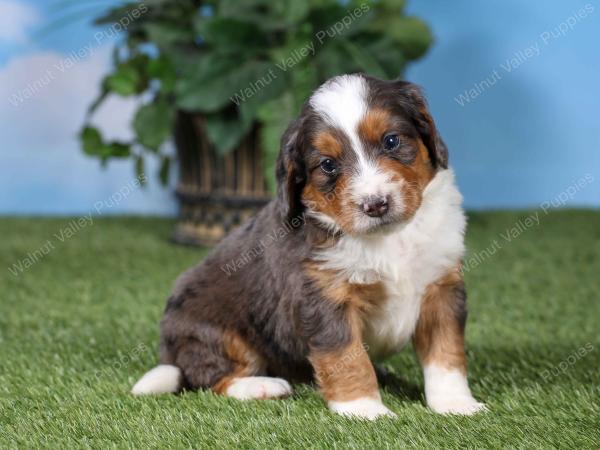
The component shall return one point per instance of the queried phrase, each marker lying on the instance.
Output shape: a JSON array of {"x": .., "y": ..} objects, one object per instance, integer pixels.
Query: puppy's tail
[{"x": 160, "y": 380}]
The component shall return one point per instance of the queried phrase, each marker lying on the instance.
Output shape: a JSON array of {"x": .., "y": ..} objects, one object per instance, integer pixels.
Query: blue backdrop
[
  {"x": 513, "y": 85},
  {"x": 515, "y": 89}
]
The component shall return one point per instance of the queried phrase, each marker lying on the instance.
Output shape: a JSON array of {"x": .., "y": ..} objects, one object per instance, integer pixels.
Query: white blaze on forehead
[{"x": 342, "y": 101}]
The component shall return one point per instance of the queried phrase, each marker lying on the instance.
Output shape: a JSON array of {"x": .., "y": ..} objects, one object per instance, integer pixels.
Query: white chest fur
[{"x": 406, "y": 261}]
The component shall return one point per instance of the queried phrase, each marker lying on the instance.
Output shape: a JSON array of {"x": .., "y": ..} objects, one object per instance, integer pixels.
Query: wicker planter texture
[{"x": 215, "y": 192}]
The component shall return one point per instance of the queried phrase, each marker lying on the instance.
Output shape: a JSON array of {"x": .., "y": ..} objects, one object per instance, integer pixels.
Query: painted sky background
[{"x": 519, "y": 143}]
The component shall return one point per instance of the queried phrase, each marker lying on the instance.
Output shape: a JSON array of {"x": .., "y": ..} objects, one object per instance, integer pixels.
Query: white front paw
[
  {"x": 363, "y": 408},
  {"x": 462, "y": 405},
  {"x": 447, "y": 392}
]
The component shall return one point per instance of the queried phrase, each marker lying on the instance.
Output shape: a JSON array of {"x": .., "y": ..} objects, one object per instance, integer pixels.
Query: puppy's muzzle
[{"x": 375, "y": 206}]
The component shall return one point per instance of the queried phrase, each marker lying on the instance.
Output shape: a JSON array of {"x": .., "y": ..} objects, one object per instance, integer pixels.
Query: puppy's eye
[
  {"x": 391, "y": 142},
  {"x": 329, "y": 166}
]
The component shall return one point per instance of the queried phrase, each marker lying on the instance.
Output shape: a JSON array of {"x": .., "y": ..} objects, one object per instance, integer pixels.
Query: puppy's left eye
[{"x": 391, "y": 142}]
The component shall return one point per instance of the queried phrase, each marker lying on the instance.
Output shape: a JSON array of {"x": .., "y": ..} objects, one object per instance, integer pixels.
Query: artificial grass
[{"x": 81, "y": 325}]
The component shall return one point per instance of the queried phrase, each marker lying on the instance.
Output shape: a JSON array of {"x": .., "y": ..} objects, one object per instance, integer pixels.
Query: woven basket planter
[{"x": 216, "y": 192}]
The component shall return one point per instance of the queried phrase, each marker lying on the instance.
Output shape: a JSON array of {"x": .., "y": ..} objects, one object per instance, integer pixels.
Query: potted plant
[{"x": 225, "y": 77}]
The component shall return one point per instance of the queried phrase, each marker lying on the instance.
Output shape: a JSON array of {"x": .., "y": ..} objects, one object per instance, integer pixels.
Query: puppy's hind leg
[
  {"x": 254, "y": 388},
  {"x": 232, "y": 368},
  {"x": 245, "y": 382}
]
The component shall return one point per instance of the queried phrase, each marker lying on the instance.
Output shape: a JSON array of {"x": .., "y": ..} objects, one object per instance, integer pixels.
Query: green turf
[{"x": 81, "y": 325}]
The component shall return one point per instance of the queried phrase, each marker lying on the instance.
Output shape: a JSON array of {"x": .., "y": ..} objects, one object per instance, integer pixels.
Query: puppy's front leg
[
  {"x": 348, "y": 383},
  {"x": 439, "y": 343}
]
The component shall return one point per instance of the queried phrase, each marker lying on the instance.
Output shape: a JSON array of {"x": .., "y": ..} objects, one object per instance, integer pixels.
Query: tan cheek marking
[
  {"x": 326, "y": 203},
  {"x": 439, "y": 335},
  {"x": 374, "y": 125},
  {"x": 411, "y": 189},
  {"x": 333, "y": 204},
  {"x": 246, "y": 360},
  {"x": 415, "y": 177}
]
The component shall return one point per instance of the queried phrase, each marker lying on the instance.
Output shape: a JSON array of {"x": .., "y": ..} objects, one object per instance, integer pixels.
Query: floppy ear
[
  {"x": 290, "y": 172},
  {"x": 419, "y": 111}
]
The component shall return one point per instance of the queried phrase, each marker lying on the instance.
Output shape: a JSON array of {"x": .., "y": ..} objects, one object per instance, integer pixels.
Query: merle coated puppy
[{"x": 358, "y": 254}]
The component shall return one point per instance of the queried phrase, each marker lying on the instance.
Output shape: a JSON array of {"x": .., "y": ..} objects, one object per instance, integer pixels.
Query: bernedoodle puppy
[{"x": 358, "y": 254}]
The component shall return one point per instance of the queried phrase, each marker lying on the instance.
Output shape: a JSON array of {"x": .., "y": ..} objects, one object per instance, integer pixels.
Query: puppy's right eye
[{"x": 329, "y": 166}]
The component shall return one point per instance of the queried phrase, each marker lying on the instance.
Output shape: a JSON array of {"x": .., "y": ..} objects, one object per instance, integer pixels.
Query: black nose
[{"x": 375, "y": 206}]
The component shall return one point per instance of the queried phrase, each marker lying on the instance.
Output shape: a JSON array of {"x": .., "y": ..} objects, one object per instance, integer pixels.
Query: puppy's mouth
[{"x": 388, "y": 223}]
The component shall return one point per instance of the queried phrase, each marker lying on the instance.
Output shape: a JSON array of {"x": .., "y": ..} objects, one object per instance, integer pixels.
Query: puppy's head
[{"x": 360, "y": 154}]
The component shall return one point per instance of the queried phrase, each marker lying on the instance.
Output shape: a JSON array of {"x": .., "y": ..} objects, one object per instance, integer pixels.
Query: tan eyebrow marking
[
  {"x": 374, "y": 124},
  {"x": 327, "y": 144}
]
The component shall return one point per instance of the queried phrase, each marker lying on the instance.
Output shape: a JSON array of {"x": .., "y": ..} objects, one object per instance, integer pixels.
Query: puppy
[{"x": 358, "y": 254}]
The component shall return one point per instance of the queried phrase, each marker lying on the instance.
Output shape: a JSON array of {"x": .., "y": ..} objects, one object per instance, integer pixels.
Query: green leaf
[
  {"x": 297, "y": 48},
  {"x": 304, "y": 80},
  {"x": 153, "y": 123},
  {"x": 393, "y": 6},
  {"x": 161, "y": 69},
  {"x": 204, "y": 65},
  {"x": 116, "y": 150},
  {"x": 269, "y": 15},
  {"x": 268, "y": 87},
  {"x": 275, "y": 116},
  {"x": 296, "y": 10},
  {"x": 199, "y": 88},
  {"x": 323, "y": 16},
  {"x": 91, "y": 140},
  {"x": 225, "y": 131},
  {"x": 165, "y": 34},
  {"x": 124, "y": 81},
  {"x": 228, "y": 34},
  {"x": 364, "y": 61},
  {"x": 334, "y": 60},
  {"x": 291, "y": 11},
  {"x": 93, "y": 145},
  {"x": 218, "y": 92},
  {"x": 389, "y": 55},
  {"x": 410, "y": 33}
]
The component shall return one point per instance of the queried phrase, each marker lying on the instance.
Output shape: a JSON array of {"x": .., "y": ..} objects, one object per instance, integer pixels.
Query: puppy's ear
[
  {"x": 290, "y": 172},
  {"x": 416, "y": 105}
]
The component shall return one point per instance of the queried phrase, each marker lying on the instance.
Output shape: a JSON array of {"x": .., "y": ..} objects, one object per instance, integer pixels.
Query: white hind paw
[
  {"x": 248, "y": 388},
  {"x": 160, "y": 380}
]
